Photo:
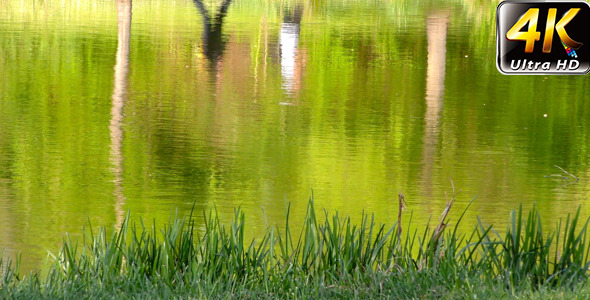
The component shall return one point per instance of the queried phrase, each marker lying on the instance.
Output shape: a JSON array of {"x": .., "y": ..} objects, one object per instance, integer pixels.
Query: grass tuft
[{"x": 329, "y": 258}]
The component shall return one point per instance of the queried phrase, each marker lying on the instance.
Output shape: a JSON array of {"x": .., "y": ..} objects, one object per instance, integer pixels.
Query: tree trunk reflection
[
  {"x": 119, "y": 97},
  {"x": 436, "y": 29}
]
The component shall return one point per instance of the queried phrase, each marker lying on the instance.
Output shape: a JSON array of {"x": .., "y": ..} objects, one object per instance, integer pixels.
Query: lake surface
[{"x": 107, "y": 108}]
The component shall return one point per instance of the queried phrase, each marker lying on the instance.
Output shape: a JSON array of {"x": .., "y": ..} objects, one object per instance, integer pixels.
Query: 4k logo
[{"x": 517, "y": 29}]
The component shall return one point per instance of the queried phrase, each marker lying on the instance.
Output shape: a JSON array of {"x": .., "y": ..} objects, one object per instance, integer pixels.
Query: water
[{"x": 259, "y": 103}]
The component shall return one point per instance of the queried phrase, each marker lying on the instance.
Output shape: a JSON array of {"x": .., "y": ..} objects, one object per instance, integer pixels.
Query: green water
[{"x": 103, "y": 112}]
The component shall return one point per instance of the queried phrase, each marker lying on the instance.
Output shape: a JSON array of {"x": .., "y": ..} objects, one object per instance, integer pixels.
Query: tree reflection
[
  {"x": 119, "y": 97},
  {"x": 436, "y": 30}
]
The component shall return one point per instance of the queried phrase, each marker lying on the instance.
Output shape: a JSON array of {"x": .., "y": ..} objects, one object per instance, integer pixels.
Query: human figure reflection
[
  {"x": 436, "y": 30},
  {"x": 289, "y": 52},
  {"x": 213, "y": 41},
  {"x": 119, "y": 97}
]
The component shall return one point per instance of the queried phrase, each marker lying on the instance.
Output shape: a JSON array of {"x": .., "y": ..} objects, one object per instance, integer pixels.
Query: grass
[{"x": 329, "y": 258}]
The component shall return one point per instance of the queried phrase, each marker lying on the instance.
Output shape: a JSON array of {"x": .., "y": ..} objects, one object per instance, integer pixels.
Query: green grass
[{"x": 329, "y": 257}]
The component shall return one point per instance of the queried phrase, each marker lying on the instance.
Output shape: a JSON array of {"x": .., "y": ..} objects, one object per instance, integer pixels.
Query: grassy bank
[{"x": 329, "y": 257}]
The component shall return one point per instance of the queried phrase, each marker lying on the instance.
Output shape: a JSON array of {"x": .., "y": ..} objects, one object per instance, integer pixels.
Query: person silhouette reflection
[
  {"x": 213, "y": 41},
  {"x": 289, "y": 44}
]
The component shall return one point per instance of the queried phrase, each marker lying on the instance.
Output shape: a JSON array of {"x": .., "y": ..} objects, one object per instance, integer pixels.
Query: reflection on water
[
  {"x": 119, "y": 97},
  {"x": 289, "y": 42},
  {"x": 436, "y": 32},
  {"x": 213, "y": 40},
  {"x": 189, "y": 115}
]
